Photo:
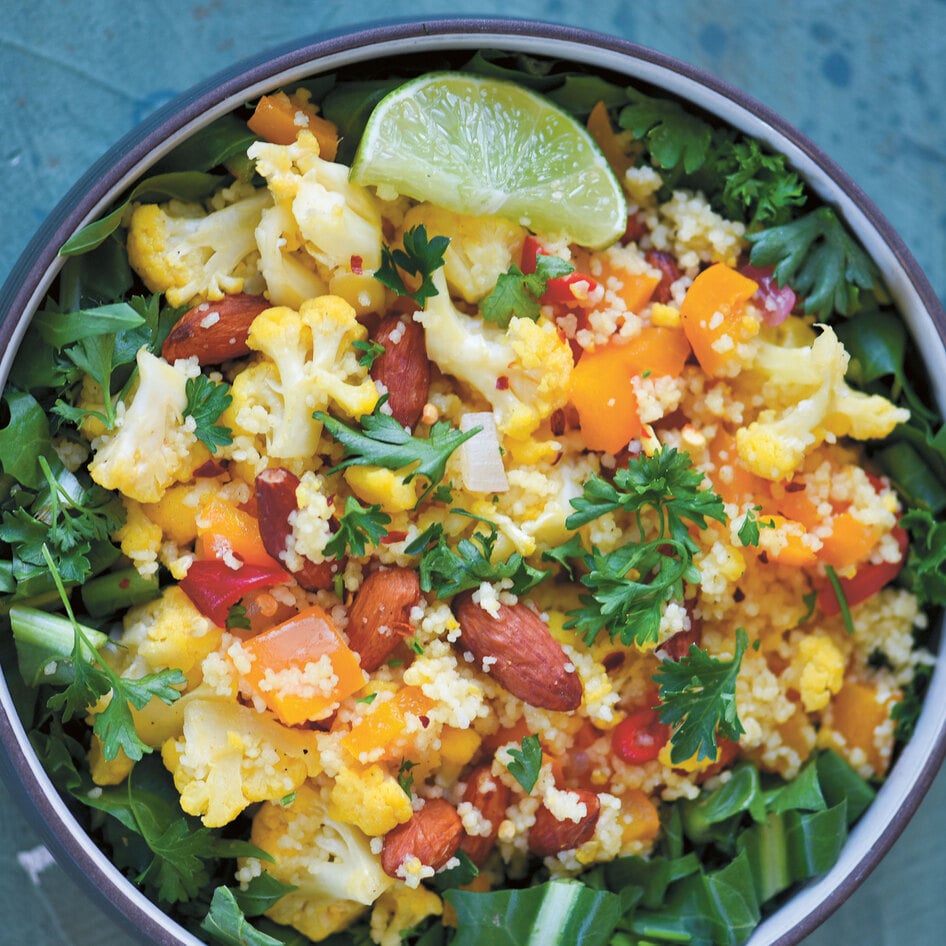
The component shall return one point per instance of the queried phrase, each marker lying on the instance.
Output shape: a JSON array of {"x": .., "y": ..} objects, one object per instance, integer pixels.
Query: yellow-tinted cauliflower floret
[
  {"x": 330, "y": 864},
  {"x": 809, "y": 402},
  {"x": 168, "y": 632},
  {"x": 817, "y": 671},
  {"x": 319, "y": 212},
  {"x": 154, "y": 446},
  {"x": 307, "y": 363},
  {"x": 531, "y": 355},
  {"x": 231, "y": 756},
  {"x": 401, "y": 908},
  {"x": 481, "y": 248},
  {"x": 371, "y": 800},
  {"x": 189, "y": 253}
]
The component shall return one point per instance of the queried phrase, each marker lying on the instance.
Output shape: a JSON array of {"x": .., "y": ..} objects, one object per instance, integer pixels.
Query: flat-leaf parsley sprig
[
  {"x": 420, "y": 258},
  {"x": 630, "y": 585},
  {"x": 698, "y": 699},
  {"x": 382, "y": 441}
]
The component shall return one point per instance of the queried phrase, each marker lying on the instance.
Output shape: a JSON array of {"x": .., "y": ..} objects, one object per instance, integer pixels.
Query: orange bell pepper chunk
[
  {"x": 609, "y": 141},
  {"x": 733, "y": 482},
  {"x": 278, "y": 119},
  {"x": 796, "y": 504},
  {"x": 713, "y": 315},
  {"x": 302, "y": 667},
  {"x": 793, "y": 550},
  {"x": 223, "y": 530},
  {"x": 639, "y": 819},
  {"x": 601, "y": 390},
  {"x": 849, "y": 543},
  {"x": 384, "y": 725},
  {"x": 856, "y": 713}
]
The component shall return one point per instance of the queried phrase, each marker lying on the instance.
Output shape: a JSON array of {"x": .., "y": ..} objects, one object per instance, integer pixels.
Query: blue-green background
[{"x": 865, "y": 80}]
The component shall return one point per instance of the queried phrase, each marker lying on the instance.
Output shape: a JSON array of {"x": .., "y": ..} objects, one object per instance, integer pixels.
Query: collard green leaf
[
  {"x": 227, "y": 924},
  {"x": 25, "y": 439},
  {"x": 556, "y": 913}
]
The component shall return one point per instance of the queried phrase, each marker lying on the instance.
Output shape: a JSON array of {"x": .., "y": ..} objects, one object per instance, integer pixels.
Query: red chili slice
[{"x": 639, "y": 737}]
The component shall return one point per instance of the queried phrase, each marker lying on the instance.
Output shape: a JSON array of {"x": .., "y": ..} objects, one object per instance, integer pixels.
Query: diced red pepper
[
  {"x": 214, "y": 587},
  {"x": 639, "y": 737},
  {"x": 572, "y": 289},
  {"x": 866, "y": 581}
]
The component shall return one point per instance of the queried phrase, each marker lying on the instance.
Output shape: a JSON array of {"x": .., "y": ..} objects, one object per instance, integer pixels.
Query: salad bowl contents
[{"x": 498, "y": 499}]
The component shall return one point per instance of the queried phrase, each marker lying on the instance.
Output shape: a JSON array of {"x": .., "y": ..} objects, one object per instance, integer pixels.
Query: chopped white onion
[{"x": 481, "y": 460}]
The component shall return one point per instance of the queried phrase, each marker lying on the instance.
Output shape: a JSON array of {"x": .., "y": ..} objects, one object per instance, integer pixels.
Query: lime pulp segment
[{"x": 484, "y": 146}]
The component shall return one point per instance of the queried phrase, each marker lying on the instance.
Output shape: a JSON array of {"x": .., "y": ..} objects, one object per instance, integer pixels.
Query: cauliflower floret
[
  {"x": 820, "y": 406},
  {"x": 401, "y": 908},
  {"x": 481, "y": 248},
  {"x": 371, "y": 800},
  {"x": 322, "y": 213},
  {"x": 289, "y": 272},
  {"x": 188, "y": 252},
  {"x": 154, "y": 446},
  {"x": 231, "y": 756},
  {"x": 307, "y": 363},
  {"x": 816, "y": 671},
  {"x": 533, "y": 358},
  {"x": 330, "y": 864},
  {"x": 167, "y": 632}
]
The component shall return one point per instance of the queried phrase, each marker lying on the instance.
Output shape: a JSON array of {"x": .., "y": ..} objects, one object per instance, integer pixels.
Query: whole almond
[
  {"x": 275, "y": 503},
  {"x": 403, "y": 369},
  {"x": 432, "y": 836},
  {"x": 381, "y": 608},
  {"x": 489, "y": 796},
  {"x": 517, "y": 649},
  {"x": 549, "y": 836},
  {"x": 214, "y": 331}
]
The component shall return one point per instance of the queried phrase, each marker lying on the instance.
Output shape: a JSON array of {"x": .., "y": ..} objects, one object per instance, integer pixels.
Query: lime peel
[{"x": 481, "y": 146}]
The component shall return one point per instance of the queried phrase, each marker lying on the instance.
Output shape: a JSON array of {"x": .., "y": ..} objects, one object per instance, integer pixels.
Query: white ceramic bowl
[{"x": 33, "y": 275}]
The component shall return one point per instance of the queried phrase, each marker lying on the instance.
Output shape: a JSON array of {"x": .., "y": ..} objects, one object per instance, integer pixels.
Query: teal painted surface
[{"x": 864, "y": 79}]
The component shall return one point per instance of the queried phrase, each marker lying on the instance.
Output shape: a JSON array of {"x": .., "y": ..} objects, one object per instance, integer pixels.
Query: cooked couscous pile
[{"x": 372, "y": 642}]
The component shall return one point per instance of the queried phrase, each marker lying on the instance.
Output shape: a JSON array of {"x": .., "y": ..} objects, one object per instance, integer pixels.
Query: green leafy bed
[{"x": 722, "y": 860}]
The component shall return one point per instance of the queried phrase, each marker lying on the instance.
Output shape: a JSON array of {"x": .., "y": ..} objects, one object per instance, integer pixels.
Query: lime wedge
[{"x": 484, "y": 146}]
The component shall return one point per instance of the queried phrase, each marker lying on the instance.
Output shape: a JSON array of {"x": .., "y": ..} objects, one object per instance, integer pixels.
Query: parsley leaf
[
  {"x": 370, "y": 352},
  {"x": 757, "y": 187},
  {"x": 420, "y": 258},
  {"x": 67, "y": 518},
  {"x": 93, "y": 355},
  {"x": 629, "y": 587},
  {"x": 358, "y": 526},
  {"x": 382, "y": 441},
  {"x": 526, "y": 762},
  {"x": 749, "y": 533},
  {"x": 666, "y": 482},
  {"x": 518, "y": 294},
  {"x": 698, "y": 699},
  {"x": 466, "y": 567},
  {"x": 206, "y": 401},
  {"x": 675, "y": 137},
  {"x": 925, "y": 570},
  {"x": 404, "y": 777},
  {"x": 819, "y": 259}
]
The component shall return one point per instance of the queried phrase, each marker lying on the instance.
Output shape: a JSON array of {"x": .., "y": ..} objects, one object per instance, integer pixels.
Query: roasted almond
[
  {"x": 214, "y": 331},
  {"x": 517, "y": 649},
  {"x": 549, "y": 836},
  {"x": 403, "y": 369},
  {"x": 275, "y": 503},
  {"x": 489, "y": 796},
  {"x": 379, "y": 615},
  {"x": 432, "y": 836}
]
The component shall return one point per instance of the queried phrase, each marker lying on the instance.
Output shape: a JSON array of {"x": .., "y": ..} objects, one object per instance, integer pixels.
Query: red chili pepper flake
[
  {"x": 738, "y": 595},
  {"x": 209, "y": 469},
  {"x": 424, "y": 721},
  {"x": 502, "y": 383},
  {"x": 124, "y": 583},
  {"x": 794, "y": 487},
  {"x": 395, "y": 535},
  {"x": 357, "y": 265}
]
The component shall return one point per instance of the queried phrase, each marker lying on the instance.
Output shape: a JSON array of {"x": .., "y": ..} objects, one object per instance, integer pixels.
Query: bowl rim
[{"x": 133, "y": 153}]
